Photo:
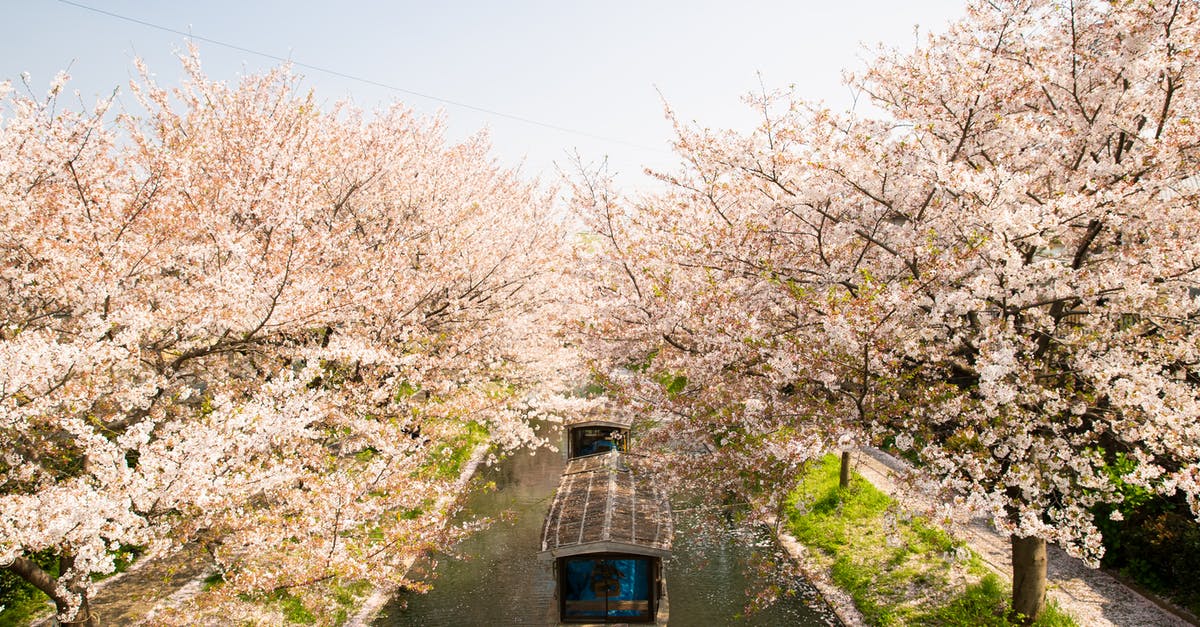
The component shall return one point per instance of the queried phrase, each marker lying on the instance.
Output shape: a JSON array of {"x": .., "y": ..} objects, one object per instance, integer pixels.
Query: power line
[{"x": 360, "y": 79}]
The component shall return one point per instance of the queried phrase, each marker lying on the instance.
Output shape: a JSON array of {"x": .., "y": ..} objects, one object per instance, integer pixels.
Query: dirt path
[
  {"x": 1092, "y": 597},
  {"x": 169, "y": 580},
  {"x": 133, "y": 597}
]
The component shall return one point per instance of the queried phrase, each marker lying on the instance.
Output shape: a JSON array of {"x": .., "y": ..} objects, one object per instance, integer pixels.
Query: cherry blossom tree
[
  {"x": 240, "y": 320},
  {"x": 999, "y": 273},
  {"x": 706, "y": 331},
  {"x": 1056, "y": 327}
]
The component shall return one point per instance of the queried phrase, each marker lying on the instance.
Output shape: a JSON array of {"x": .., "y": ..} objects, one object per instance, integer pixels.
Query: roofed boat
[{"x": 607, "y": 531}]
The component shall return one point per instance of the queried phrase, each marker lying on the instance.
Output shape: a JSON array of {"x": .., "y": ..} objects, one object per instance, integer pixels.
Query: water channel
[{"x": 496, "y": 578}]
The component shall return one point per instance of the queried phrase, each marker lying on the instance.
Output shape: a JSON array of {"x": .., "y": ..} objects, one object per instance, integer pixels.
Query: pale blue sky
[{"x": 595, "y": 67}]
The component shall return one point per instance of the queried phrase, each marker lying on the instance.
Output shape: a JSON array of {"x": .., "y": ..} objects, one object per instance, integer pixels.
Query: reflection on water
[
  {"x": 708, "y": 584},
  {"x": 498, "y": 580}
]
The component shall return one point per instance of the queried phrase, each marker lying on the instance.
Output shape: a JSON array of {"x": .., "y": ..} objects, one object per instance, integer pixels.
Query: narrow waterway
[{"x": 496, "y": 578}]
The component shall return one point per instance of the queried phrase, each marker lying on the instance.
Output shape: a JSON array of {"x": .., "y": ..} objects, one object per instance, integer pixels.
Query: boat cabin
[
  {"x": 596, "y": 433},
  {"x": 607, "y": 532}
]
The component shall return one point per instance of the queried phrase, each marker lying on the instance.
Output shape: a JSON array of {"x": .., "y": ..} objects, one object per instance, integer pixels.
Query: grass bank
[
  {"x": 900, "y": 570},
  {"x": 449, "y": 462}
]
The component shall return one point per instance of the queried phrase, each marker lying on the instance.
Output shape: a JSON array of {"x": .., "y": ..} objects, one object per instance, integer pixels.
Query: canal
[{"x": 495, "y": 577}]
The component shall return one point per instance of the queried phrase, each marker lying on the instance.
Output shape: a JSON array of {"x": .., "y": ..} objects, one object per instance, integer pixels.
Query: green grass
[
  {"x": 346, "y": 598},
  {"x": 22, "y": 611},
  {"x": 20, "y": 602},
  {"x": 291, "y": 606},
  {"x": 986, "y": 604},
  {"x": 213, "y": 580},
  {"x": 899, "y": 570},
  {"x": 448, "y": 462},
  {"x": 294, "y": 609}
]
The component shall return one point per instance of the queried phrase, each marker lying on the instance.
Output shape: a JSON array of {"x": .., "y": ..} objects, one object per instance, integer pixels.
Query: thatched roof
[{"x": 603, "y": 505}]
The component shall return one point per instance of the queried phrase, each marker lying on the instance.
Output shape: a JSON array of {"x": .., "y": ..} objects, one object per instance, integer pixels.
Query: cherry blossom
[
  {"x": 237, "y": 319},
  {"x": 998, "y": 273}
]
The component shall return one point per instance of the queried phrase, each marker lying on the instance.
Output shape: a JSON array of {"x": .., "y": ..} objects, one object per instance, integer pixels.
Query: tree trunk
[
  {"x": 1029, "y": 578},
  {"x": 28, "y": 570},
  {"x": 844, "y": 477},
  {"x": 83, "y": 616}
]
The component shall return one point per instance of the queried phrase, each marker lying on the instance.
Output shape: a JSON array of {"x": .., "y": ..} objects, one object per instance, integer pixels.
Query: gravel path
[{"x": 1092, "y": 597}]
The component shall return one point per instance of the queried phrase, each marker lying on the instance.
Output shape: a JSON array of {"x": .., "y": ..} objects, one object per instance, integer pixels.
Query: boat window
[
  {"x": 592, "y": 440},
  {"x": 609, "y": 589}
]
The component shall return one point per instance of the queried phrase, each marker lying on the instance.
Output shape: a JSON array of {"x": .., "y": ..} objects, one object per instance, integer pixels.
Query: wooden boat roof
[
  {"x": 598, "y": 422},
  {"x": 603, "y": 505},
  {"x": 603, "y": 416}
]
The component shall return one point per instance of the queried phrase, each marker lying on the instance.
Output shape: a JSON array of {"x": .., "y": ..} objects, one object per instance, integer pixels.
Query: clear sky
[{"x": 597, "y": 68}]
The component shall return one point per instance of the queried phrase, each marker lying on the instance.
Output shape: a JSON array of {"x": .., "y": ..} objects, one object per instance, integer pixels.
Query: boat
[{"x": 607, "y": 532}]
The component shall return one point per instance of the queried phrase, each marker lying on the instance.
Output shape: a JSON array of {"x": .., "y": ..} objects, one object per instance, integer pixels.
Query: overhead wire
[{"x": 360, "y": 79}]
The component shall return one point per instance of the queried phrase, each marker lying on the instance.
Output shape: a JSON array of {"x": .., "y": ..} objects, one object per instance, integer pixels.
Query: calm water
[{"x": 497, "y": 579}]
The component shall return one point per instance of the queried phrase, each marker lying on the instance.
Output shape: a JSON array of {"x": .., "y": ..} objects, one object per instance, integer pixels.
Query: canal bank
[
  {"x": 380, "y": 597},
  {"x": 838, "y": 600}
]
